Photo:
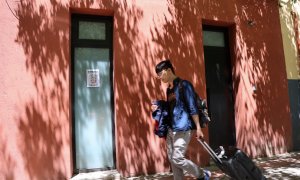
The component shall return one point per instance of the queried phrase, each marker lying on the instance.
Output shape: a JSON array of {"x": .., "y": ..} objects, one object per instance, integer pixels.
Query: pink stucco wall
[
  {"x": 34, "y": 104},
  {"x": 35, "y": 119}
]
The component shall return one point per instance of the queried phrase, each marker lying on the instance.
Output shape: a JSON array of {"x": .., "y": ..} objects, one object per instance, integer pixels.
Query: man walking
[{"x": 183, "y": 117}]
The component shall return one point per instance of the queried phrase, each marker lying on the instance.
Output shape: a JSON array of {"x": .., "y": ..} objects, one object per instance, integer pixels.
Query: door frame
[{"x": 107, "y": 43}]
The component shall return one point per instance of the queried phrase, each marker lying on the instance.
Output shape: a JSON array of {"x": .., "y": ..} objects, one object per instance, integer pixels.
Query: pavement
[{"x": 280, "y": 167}]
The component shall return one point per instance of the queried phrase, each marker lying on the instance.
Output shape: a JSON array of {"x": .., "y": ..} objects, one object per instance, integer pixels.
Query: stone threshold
[{"x": 105, "y": 175}]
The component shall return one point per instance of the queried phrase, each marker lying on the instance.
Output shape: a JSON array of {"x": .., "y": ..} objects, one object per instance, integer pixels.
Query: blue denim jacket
[{"x": 184, "y": 108}]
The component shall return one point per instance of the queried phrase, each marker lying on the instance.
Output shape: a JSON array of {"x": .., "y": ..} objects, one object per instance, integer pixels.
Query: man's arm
[{"x": 190, "y": 98}]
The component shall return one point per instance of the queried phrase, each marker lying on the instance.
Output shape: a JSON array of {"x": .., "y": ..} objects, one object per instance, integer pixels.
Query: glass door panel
[{"x": 93, "y": 110}]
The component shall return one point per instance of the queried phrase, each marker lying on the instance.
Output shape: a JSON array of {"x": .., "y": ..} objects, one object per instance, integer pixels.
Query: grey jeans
[{"x": 177, "y": 143}]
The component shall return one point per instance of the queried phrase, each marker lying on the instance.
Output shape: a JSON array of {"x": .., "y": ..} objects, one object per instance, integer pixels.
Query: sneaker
[{"x": 206, "y": 176}]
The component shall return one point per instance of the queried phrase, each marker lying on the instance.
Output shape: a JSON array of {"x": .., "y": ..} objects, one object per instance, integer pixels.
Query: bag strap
[{"x": 181, "y": 95}]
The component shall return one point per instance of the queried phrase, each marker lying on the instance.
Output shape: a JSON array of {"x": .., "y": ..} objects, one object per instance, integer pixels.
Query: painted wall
[
  {"x": 35, "y": 131},
  {"x": 289, "y": 15},
  {"x": 289, "y": 20}
]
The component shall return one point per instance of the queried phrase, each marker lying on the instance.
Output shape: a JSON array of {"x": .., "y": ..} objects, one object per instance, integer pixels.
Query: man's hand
[
  {"x": 153, "y": 107},
  {"x": 199, "y": 134}
]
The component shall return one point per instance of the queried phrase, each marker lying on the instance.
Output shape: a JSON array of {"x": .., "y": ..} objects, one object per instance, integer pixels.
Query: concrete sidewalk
[{"x": 284, "y": 166}]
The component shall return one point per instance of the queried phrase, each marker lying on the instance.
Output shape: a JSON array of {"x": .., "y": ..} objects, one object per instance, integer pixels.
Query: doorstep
[{"x": 105, "y": 175}]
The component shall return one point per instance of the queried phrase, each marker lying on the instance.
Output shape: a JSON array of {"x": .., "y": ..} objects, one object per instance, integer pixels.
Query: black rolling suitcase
[{"x": 235, "y": 163}]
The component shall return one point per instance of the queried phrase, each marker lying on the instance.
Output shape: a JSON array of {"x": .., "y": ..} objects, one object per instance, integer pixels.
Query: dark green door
[{"x": 219, "y": 87}]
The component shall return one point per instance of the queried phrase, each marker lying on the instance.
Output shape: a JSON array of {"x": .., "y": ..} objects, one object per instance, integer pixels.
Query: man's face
[{"x": 164, "y": 75}]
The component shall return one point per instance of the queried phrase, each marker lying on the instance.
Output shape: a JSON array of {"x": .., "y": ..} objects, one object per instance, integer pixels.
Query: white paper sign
[{"x": 93, "y": 78}]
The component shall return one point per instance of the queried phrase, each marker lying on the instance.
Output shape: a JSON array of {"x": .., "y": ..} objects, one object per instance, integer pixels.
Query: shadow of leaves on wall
[
  {"x": 6, "y": 157},
  {"x": 44, "y": 127},
  {"x": 262, "y": 112},
  {"x": 44, "y": 35},
  {"x": 139, "y": 151},
  {"x": 259, "y": 130}
]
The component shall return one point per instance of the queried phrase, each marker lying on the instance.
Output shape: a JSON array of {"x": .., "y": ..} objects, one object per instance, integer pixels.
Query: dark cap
[{"x": 165, "y": 64}]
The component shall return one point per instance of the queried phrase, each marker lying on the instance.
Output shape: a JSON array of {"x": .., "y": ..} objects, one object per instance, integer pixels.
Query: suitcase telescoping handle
[{"x": 210, "y": 151}]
